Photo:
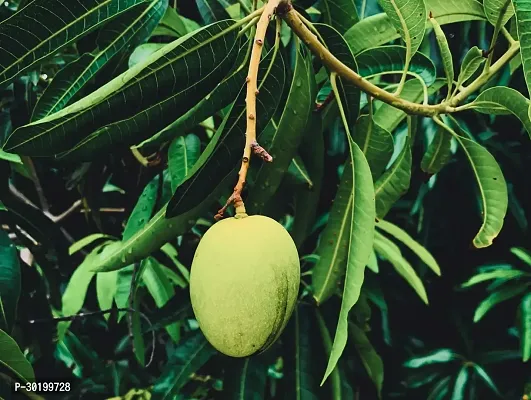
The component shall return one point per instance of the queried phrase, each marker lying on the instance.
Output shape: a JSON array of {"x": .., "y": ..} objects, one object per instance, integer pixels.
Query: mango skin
[{"x": 244, "y": 284}]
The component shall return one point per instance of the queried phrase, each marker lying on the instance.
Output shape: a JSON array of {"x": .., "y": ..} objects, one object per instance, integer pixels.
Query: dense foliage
[{"x": 399, "y": 136}]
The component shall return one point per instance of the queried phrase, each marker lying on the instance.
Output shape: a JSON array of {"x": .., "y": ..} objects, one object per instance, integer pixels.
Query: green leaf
[
  {"x": 136, "y": 103},
  {"x": 525, "y": 331},
  {"x": 492, "y": 187},
  {"x": 500, "y": 100},
  {"x": 171, "y": 24},
  {"x": 522, "y": 254},
  {"x": 10, "y": 282},
  {"x": 211, "y": 11},
  {"x": 283, "y": 144},
  {"x": 14, "y": 158},
  {"x": 247, "y": 379},
  {"x": 143, "y": 209},
  {"x": 436, "y": 357},
  {"x": 408, "y": 17},
  {"x": 390, "y": 251},
  {"x": 440, "y": 389},
  {"x": 416, "y": 247},
  {"x": 87, "y": 240},
  {"x": 128, "y": 29},
  {"x": 486, "y": 378},
  {"x": 190, "y": 355},
  {"x": 333, "y": 247},
  {"x": 375, "y": 142},
  {"x": 359, "y": 247},
  {"x": 460, "y": 383},
  {"x": 446, "y": 54},
  {"x": 44, "y": 27},
  {"x": 438, "y": 153},
  {"x": 493, "y": 9},
  {"x": 182, "y": 155},
  {"x": 379, "y": 29},
  {"x": 506, "y": 292},
  {"x": 394, "y": 182},
  {"x": 470, "y": 64},
  {"x": 502, "y": 274},
  {"x": 106, "y": 289},
  {"x": 522, "y": 9},
  {"x": 13, "y": 360},
  {"x": 369, "y": 357},
  {"x": 222, "y": 156},
  {"x": 340, "y": 14},
  {"x": 299, "y": 173},
  {"x": 392, "y": 59}
]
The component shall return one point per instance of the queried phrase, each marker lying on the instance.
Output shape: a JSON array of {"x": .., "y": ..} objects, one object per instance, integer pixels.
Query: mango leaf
[
  {"x": 470, "y": 64},
  {"x": 486, "y": 378},
  {"x": 190, "y": 355},
  {"x": 160, "y": 288},
  {"x": 86, "y": 241},
  {"x": 282, "y": 146},
  {"x": 247, "y": 379},
  {"x": 522, "y": 9},
  {"x": 502, "y": 274},
  {"x": 492, "y": 187},
  {"x": 349, "y": 94},
  {"x": 128, "y": 29},
  {"x": 334, "y": 241},
  {"x": 369, "y": 357},
  {"x": 182, "y": 155},
  {"x": 10, "y": 282},
  {"x": 446, "y": 54},
  {"x": 435, "y": 357},
  {"x": 522, "y": 254},
  {"x": 507, "y": 292},
  {"x": 211, "y": 11},
  {"x": 144, "y": 208},
  {"x": 375, "y": 142},
  {"x": 440, "y": 389},
  {"x": 460, "y": 383},
  {"x": 379, "y": 29},
  {"x": 392, "y": 59},
  {"x": 136, "y": 103},
  {"x": 223, "y": 154},
  {"x": 299, "y": 173},
  {"x": 525, "y": 330},
  {"x": 171, "y": 24},
  {"x": 38, "y": 26},
  {"x": 12, "y": 359},
  {"x": 394, "y": 182},
  {"x": 301, "y": 349},
  {"x": 340, "y": 14},
  {"x": 500, "y": 100},
  {"x": 359, "y": 246},
  {"x": 416, "y": 247},
  {"x": 438, "y": 153},
  {"x": 493, "y": 9},
  {"x": 390, "y": 251}
]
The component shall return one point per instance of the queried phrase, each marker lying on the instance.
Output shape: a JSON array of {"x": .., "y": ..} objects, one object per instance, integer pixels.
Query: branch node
[
  {"x": 251, "y": 116},
  {"x": 261, "y": 152}
]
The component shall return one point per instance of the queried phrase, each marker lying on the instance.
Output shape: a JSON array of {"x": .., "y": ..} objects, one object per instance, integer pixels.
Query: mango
[{"x": 244, "y": 283}]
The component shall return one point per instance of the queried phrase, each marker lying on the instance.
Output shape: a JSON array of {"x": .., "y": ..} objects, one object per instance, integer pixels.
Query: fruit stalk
[{"x": 251, "y": 145}]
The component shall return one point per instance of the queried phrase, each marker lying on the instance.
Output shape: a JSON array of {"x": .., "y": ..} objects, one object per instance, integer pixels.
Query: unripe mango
[{"x": 244, "y": 283}]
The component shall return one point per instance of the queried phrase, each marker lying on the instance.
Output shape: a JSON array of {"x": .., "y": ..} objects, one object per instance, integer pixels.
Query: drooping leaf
[
  {"x": 106, "y": 289},
  {"x": 10, "y": 282},
  {"x": 522, "y": 10},
  {"x": 222, "y": 156},
  {"x": 299, "y": 173},
  {"x": 502, "y": 274},
  {"x": 394, "y": 182},
  {"x": 39, "y": 25},
  {"x": 525, "y": 331},
  {"x": 12, "y": 359},
  {"x": 190, "y": 355},
  {"x": 247, "y": 379},
  {"x": 136, "y": 103},
  {"x": 486, "y": 378},
  {"x": 340, "y": 14},
  {"x": 492, "y": 187},
  {"x": 522, "y": 254},
  {"x": 470, "y": 64},
  {"x": 282, "y": 146},
  {"x": 390, "y": 251},
  {"x": 416, "y": 247},
  {"x": 182, "y": 155},
  {"x": 435, "y": 357},
  {"x": 506, "y": 292},
  {"x": 211, "y": 11},
  {"x": 375, "y": 142},
  {"x": 438, "y": 153},
  {"x": 500, "y": 100},
  {"x": 143, "y": 210},
  {"x": 392, "y": 59},
  {"x": 128, "y": 29},
  {"x": 86, "y": 241},
  {"x": 446, "y": 54},
  {"x": 460, "y": 383},
  {"x": 440, "y": 389},
  {"x": 493, "y": 9},
  {"x": 378, "y": 29}
]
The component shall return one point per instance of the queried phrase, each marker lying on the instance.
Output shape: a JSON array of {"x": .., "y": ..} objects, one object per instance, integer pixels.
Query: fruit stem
[{"x": 251, "y": 145}]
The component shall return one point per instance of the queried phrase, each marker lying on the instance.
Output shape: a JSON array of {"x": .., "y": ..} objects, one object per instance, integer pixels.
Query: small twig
[
  {"x": 251, "y": 145},
  {"x": 104, "y": 209},
  {"x": 38, "y": 187}
]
